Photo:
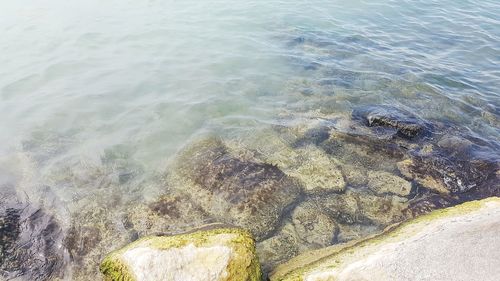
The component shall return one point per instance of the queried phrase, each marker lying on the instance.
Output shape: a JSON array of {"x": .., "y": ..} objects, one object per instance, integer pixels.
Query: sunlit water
[{"x": 103, "y": 93}]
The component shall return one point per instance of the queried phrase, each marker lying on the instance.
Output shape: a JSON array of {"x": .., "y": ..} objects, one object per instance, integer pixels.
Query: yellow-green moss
[
  {"x": 245, "y": 266},
  {"x": 333, "y": 257}
]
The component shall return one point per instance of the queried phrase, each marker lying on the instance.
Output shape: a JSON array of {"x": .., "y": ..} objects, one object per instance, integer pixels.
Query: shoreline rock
[
  {"x": 219, "y": 254},
  {"x": 457, "y": 243}
]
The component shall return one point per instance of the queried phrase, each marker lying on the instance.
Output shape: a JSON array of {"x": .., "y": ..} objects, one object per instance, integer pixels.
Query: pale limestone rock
[
  {"x": 458, "y": 243},
  {"x": 219, "y": 254},
  {"x": 205, "y": 263}
]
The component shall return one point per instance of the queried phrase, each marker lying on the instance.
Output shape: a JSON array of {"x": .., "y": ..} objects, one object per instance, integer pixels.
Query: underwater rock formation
[
  {"x": 457, "y": 168},
  {"x": 357, "y": 206},
  {"x": 91, "y": 235},
  {"x": 314, "y": 227},
  {"x": 316, "y": 171},
  {"x": 458, "y": 243},
  {"x": 171, "y": 213},
  {"x": 244, "y": 193},
  {"x": 384, "y": 182},
  {"x": 405, "y": 123},
  {"x": 280, "y": 247},
  {"x": 317, "y": 180},
  {"x": 30, "y": 240},
  {"x": 218, "y": 254},
  {"x": 320, "y": 221},
  {"x": 435, "y": 155}
]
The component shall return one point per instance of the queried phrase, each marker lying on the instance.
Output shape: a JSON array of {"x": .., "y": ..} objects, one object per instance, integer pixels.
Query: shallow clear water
[{"x": 96, "y": 94}]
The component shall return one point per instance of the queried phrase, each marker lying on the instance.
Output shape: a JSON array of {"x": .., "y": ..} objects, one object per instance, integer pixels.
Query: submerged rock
[
  {"x": 357, "y": 206},
  {"x": 234, "y": 190},
  {"x": 458, "y": 243},
  {"x": 314, "y": 227},
  {"x": 171, "y": 213},
  {"x": 323, "y": 220},
  {"x": 30, "y": 241},
  {"x": 384, "y": 182},
  {"x": 405, "y": 123},
  {"x": 451, "y": 162},
  {"x": 92, "y": 234},
  {"x": 445, "y": 172},
  {"x": 308, "y": 227},
  {"x": 428, "y": 203},
  {"x": 220, "y": 254},
  {"x": 316, "y": 171},
  {"x": 279, "y": 248}
]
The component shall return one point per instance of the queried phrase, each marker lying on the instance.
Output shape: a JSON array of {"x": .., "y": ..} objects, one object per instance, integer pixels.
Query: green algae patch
[
  {"x": 340, "y": 262},
  {"x": 209, "y": 254}
]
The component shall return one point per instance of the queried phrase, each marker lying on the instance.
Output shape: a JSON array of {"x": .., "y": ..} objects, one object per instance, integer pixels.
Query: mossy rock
[
  {"x": 220, "y": 254},
  {"x": 457, "y": 243}
]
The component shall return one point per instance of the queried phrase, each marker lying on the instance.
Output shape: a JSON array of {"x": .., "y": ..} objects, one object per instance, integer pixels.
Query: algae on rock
[
  {"x": 458, "y": 243},
  {"x": 323, "y": 220},
  {"x": 218, "y": 254}
]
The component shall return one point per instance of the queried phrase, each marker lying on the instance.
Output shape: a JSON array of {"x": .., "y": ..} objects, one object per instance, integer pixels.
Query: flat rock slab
[
  {"x": 208, "y": 255},
  {"x": 458, "y": 243}
]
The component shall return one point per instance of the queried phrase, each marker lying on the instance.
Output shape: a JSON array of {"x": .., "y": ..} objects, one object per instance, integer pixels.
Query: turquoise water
[{"x": 96, "y": 94}]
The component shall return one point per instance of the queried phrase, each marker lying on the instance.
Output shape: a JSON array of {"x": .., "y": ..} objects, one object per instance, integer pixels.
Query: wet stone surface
[
  {"x": 322, "y": 179},
  {"x": 30, "y": 240},
  {"x": 395, "y": 167},
  {"x": 403, "y": 122},
  {"x": 447, "y": 170},
  {"x": 309, "y": 181}
]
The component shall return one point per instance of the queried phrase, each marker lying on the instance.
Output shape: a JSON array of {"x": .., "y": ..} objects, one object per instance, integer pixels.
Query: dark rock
[
  {"x": 30, "y": 241},
  {"x": 360, "y": 207},
  {"x": 315, "y": 136},
  {"x": 81, "y": 240},
  {"x": 429, "y": 203},
  {"x": 447, "y": 171},
  {"x": 244, "y": 193},
  {"x": 406, "y": 124}
]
